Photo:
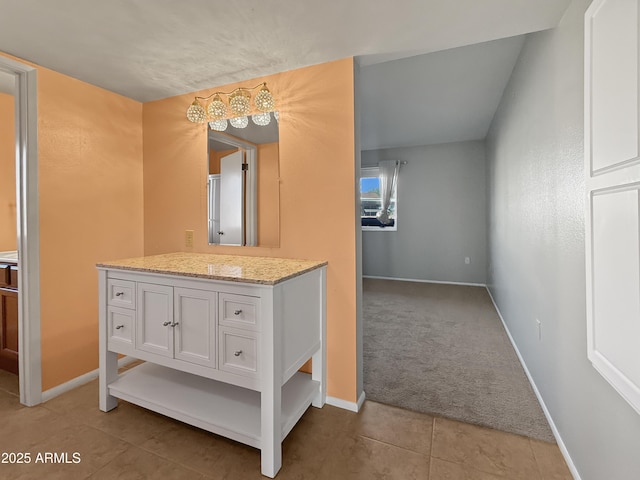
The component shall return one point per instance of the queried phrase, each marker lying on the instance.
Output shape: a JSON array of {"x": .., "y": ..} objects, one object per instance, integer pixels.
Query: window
[{"x": 371, "y": 201}]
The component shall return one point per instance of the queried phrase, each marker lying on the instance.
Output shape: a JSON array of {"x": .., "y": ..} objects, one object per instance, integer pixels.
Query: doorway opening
[
  {"x": 431, "y": 339},
  {"x": 24, "y": 278}
]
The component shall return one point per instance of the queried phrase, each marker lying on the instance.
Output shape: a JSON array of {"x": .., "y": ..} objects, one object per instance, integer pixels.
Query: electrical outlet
[
  {"x": 467, "y": 260},
  {"x": 188, "y": 238},
  {"x": 539, "y": 325}
]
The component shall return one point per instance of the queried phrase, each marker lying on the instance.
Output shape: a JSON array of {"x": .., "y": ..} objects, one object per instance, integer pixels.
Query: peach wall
[
  {"x": 91, "y": 209},
  {"x": 317, "y": 181},
  {"x": 8, "y": 234}
]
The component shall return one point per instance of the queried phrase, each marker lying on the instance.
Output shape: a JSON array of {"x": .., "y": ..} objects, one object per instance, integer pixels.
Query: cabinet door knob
[
  {"x": 118, "y": 327},
  {"x": 237, "y": 312},
  {"x": 119, "y": 294},
  {"x": 166, "y": 323},
  {"x": 237, "y": 353},
  {"x": 220, "y": 233},
  {"x": 173, "y": 325}
]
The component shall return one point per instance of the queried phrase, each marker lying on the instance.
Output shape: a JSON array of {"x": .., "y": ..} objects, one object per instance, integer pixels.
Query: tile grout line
[
  {"x": 127, "y": 442},
  {"x": 448, "y": 460},
  {"x": 139, "y": 448},
  {"x": 172, "y": 461},
  {"x": 392, "y": 445},
  {"x": 9, "y": 392},
  {"x": 433, "y": 439},
  {"x": 535, "y": 459},
  {"x": 98, "y": 429}
]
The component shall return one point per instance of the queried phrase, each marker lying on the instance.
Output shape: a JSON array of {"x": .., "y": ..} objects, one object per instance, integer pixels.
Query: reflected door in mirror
[
  {"x": 232, "y": 196},
  {"x": 244, "y": 184}
]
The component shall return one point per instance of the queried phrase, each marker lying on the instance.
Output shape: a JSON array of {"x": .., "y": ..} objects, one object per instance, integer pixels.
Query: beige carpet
[{"x": 442, "y": 349}]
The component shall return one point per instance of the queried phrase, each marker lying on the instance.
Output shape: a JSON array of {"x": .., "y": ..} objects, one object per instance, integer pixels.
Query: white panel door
[
  {"x": 154, "y": 319},
  {"x": 195, "y": 326},
  {"x": 213, "y": 208},
  {"x": 614, "y": 83},
  {"x": 232, "y": 199},
  {"x": 612, "y": 170},
  {"x": 616, "y": 278}
]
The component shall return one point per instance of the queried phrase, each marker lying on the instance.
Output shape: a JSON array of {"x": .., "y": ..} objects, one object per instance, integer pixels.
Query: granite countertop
[
  {"x": 9, "y": 257},
  {"x": 234, "y": 268}
]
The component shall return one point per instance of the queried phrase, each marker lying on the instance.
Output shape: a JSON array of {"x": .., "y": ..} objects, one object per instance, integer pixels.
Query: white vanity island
[{"x": 223, "y": 338}]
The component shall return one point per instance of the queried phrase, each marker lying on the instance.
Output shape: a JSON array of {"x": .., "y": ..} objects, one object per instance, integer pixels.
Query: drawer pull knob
[
  {"x": 119, "y": 294},
  {"x": 118, "y": 327},
  {"x": 237, "y": 353},
  {"x": 166, "y": 323},
  {"x": 237, "y": 312}
]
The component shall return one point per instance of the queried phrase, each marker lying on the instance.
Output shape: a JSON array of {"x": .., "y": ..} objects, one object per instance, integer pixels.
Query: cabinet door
[
  {"x": 9, "y": 330},
  {"x": 154, "y": 319},
  {"x": 612, "y": 167},
  {"x": 195, "y": 326}
]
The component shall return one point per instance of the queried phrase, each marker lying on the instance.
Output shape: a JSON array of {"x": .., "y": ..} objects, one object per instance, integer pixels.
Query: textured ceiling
[
  {"x": 441, "y": 97},
  {"x": 151, "y": 49}
]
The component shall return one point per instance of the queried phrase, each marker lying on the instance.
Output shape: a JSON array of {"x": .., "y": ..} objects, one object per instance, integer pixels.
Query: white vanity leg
[
  {"x": 108, "y": 361},
  {"x": 271, "y": 384},
  {"x": 271, "y": 441},
  {"x": 108, "y": 374},
  {"x": 319, "y": 359}
]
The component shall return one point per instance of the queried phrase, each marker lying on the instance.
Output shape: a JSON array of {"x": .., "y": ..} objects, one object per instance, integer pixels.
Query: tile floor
[{"x": 380, "y": 442}]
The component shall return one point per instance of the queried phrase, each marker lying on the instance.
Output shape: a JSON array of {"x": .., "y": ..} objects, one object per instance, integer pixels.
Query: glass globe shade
[
  {"x": 196, "y": 113},
  {"x": 219, "y": 125},
  {"x": 261, "y": 119},
  {"x": 239, "y": 102},
  {"x": 264, "y": 100},
  {"x": 239, "y": 122},
  {"x": 217, "y": 109}
]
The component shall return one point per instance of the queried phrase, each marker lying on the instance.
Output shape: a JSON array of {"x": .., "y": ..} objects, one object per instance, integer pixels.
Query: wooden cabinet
[
  {"x": 221, "y": 355},
  {"x": 9, "y": 317}
]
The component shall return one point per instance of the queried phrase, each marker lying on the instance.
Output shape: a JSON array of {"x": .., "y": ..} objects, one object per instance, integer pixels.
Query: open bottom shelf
[{"x": 221, "y": 408}]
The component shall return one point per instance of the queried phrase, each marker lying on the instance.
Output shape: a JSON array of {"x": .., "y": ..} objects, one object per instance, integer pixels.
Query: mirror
[{"x": 244, "y": 183}]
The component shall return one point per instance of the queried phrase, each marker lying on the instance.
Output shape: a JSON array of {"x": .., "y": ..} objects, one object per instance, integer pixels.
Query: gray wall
[
  {"x": 441, "y": 215},
  {"x": 536, "y": 243}
]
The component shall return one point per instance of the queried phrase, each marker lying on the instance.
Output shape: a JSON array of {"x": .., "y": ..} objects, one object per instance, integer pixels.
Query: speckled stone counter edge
[{"x": 232, "y": 268}]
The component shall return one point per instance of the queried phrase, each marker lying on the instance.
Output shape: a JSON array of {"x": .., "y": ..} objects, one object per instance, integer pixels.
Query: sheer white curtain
[{"x": 388, "y": 178}]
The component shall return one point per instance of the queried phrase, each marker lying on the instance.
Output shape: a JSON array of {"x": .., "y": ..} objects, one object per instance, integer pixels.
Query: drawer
[
  {"x": 239, "y": 352},
  {"x": 239, "y": 311},
  {"x": 120, "y": 322},
  {"x": 5, "y": 274},
  {"x": 13, "y": 276},
  {"x": 121, "y": 293}
]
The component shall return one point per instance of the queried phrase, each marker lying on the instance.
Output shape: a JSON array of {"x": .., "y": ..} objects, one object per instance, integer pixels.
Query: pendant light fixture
[{"x": 238, "y": 103}]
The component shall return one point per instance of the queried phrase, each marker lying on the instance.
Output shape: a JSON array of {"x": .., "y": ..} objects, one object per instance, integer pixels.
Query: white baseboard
[
  {"x": 79, "y": 381},
  {"x": 425, "y": 281},
  {"x": 351, "y": 406},
  {"x": 554, "y": 429}
]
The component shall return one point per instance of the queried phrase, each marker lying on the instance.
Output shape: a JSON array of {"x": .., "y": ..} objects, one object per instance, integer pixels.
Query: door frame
[{"x": 28, "y": 229}]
